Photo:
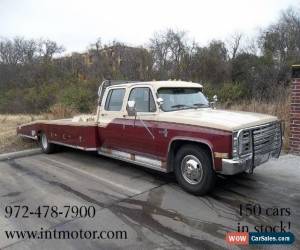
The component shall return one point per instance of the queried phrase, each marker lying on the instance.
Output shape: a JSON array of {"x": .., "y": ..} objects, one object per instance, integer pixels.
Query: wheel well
[
  {"x": 177, "y": 144},
  {"x": 39, "y": 132}
]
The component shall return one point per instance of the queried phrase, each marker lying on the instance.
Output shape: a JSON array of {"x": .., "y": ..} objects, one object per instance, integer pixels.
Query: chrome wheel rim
[
  {"x": 191, "y": 169},
  {"x": 44, "y": 141}
]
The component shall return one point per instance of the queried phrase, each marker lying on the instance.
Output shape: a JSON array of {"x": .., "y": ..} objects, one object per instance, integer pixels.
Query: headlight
[
  {"x": 242, "y": 143},
  {"x": 245, "y": 142}
]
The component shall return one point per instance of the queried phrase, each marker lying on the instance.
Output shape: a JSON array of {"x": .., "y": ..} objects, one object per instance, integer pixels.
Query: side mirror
[
  {"x": 160, "y": 101},
  {"x": 131, "y": 108},
  {"x": 213, "y": 103},
  {"x": 215, "y": 98}
]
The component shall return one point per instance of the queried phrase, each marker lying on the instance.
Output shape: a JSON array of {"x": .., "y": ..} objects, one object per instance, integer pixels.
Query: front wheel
[
  {"x": 47, "y": 147},
  {"x": 193, "y": 170}
]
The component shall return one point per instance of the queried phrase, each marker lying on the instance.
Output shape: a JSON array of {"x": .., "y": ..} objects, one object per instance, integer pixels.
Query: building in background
[{"x": 112, "y": 62}]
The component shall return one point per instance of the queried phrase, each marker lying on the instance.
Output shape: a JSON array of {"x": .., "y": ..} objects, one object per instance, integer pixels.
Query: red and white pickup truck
[{"x": 167, "y": 126}]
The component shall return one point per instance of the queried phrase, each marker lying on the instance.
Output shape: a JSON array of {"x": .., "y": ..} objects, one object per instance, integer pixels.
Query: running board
[
  {"x": 72, "y": 146},
  {"x": 135, "y": 159},
  {"x": 28, "y": 136}
]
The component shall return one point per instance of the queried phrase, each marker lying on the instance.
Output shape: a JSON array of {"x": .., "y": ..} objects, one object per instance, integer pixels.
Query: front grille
[
  {"x": 266, "y": 138},
  {"x": 260, "y": 140}
]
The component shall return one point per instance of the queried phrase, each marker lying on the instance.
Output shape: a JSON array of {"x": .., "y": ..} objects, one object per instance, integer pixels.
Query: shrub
[
  {"x": 227, "y": 93},
  {"x": 77, "y": 97},
  {"x": 59, "y": 110}
]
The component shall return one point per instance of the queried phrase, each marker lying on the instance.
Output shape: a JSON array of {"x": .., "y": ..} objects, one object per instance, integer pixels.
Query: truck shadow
[{"x": 229, "y": 183}]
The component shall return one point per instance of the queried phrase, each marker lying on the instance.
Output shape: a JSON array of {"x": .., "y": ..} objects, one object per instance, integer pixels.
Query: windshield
[{"x": 182, "y": 98}]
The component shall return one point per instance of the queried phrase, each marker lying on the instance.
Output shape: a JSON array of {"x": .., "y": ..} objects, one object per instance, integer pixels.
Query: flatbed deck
[{"x": 66, "y": 132}]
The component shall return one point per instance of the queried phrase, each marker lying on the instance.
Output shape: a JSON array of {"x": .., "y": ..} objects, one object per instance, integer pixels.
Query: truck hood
[{"x": 215, "y": 118}]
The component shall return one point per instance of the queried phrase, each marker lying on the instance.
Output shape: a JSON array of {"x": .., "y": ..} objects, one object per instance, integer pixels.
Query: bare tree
[
  {"x": 168, "y": 49},
  {"x": 234, "y": 44},
  {"x": 48, "y": 49}
]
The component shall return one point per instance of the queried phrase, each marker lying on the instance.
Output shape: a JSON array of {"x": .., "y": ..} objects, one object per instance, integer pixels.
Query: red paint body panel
[
  {"x": 138, "y": 138},
  {"x": 131, "y": 136},
  {"x": 82, "y": 136}
]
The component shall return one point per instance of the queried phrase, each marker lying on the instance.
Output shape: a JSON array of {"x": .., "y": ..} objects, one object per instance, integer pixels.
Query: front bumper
[{"x": 231, "y": 167}]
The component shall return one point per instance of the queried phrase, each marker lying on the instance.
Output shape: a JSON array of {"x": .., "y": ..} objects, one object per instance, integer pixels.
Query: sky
[{"x": 76, "y": 24}]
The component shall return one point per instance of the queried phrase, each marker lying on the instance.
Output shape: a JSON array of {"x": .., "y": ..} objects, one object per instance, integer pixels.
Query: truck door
[
  {"x": 139, "y": 132},
  {"x": 111, "y": 119}
]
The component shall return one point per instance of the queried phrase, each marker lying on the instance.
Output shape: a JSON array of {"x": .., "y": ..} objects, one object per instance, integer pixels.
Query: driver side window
[
  {"x": 144, "y": 101},
  {"x": 114, "y": 100}
]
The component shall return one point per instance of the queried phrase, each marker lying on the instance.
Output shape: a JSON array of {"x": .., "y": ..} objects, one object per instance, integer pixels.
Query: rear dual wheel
[{"x": 47, "y": 147}]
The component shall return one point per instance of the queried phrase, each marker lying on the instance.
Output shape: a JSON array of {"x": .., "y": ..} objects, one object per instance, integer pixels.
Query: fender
[{"x": 191, "y": 139}]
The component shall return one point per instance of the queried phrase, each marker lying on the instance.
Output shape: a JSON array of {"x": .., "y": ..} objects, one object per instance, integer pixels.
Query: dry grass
[
  {"x": 8, "y": 140},
  {"x": 59, "y": 111},
  {"x": 279, "y": 109}
]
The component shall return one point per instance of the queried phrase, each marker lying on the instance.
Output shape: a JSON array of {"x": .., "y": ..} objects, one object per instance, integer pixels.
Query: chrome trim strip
[
  {"x": 148, "y": 160},
  {"x": 143, "y": 161},
  {"x": 28, "y": 136},
  {"x": 120, "y": 153},
  {"x": 72, "y": 146}
]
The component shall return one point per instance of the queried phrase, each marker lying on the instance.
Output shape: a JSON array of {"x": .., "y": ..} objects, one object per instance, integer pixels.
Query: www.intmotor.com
[
  {"x": 233, "y": 238},
  {"x": 66, "y": 234}
]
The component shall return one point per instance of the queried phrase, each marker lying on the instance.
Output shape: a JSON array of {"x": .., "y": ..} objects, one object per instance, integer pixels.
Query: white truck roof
[{"x": 160, "y": 84}]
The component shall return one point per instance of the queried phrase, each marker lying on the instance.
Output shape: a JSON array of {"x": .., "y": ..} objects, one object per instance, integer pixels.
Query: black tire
[
  {"x": 47, "y": 148},
  {"x": 199, "y": 177}
]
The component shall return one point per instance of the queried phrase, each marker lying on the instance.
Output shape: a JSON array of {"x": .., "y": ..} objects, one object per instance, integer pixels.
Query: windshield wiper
[
  {"x": 181, "y": 106},
  {"x": 200, "y": 105},
  {"x": 195, "y": 105}
]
